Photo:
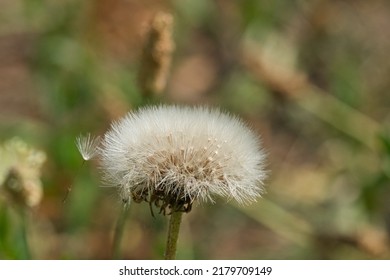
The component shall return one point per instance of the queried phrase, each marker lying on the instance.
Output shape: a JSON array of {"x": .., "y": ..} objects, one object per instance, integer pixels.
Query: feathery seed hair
[
  {"x": 171, "y": 156},
  {"x": 87, "y": 146}
]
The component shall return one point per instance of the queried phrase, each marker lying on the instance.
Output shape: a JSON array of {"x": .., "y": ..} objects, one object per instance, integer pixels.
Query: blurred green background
[{"x": 311, "y": 77}]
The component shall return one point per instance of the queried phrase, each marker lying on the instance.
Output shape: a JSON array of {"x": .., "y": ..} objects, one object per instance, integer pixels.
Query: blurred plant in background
[
  {"x": 311, "y": 76},
  {"x": 20, "y": 170},
  {"x": 20, "y": 189}
]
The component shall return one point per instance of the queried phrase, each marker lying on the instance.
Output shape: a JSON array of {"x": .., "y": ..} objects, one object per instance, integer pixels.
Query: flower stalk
[
  {"x": 173, "y": 235},
  {"x": 24, "y": 235},
  {"x": 119, "y": 229},
  {"x": 157, "y": 56}
]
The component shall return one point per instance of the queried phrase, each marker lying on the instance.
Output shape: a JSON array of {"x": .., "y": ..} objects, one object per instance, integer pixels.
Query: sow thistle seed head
[{"x": 172, "y": 156}]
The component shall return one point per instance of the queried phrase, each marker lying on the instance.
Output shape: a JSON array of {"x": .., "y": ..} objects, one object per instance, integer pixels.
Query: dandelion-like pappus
[{"x": 172, "y": 156}]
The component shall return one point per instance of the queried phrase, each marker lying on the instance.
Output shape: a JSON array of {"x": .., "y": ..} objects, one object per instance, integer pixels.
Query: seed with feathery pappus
[{"x": 87, "y": 146}]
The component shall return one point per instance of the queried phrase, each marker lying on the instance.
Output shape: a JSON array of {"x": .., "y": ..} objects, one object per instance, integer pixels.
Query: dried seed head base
[{"x": 166, "y": 203}]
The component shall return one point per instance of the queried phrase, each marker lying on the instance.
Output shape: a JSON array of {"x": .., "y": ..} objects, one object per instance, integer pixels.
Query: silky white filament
[
  {"x": 174, "y": 155},
  {"x": 87, "y": 146}
]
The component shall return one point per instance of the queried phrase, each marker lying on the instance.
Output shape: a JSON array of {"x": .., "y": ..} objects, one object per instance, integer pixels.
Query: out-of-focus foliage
[{"x": 310, "y": 76}]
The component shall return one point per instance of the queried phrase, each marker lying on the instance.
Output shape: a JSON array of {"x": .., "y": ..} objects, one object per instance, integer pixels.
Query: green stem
[
  {"x": 119, "y": 229},
  {"x": 173, "y": 235},
  {"x": 26, "y": 247}
]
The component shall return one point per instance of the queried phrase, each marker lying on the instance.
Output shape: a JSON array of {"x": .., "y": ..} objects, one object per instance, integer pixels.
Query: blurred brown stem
[{"x": 156, "y": 56}]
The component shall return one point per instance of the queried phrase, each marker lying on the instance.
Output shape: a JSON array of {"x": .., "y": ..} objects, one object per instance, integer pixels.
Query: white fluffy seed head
[{"x": 172, "y": 156}]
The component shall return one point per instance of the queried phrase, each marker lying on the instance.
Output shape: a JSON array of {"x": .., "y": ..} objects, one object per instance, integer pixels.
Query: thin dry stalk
[{"x": 157, "y": 56}]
